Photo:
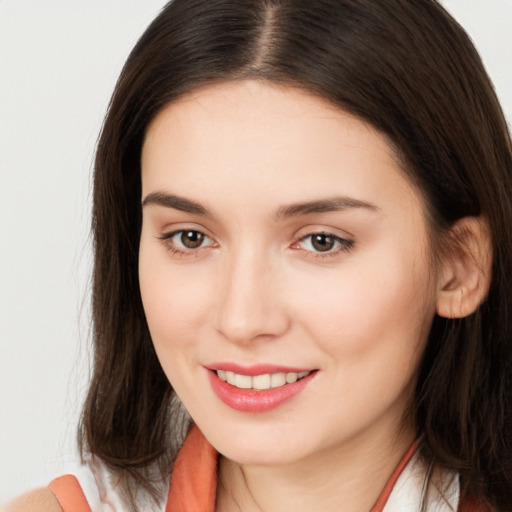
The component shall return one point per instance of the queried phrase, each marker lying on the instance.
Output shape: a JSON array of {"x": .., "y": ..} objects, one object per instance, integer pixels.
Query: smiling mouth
[
  {"x": 260, "y": 382},
  {"x": 264, "y": 389}
]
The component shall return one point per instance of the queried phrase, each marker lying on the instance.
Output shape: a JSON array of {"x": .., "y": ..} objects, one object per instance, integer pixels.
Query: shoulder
[{"x": 38, "y": 500}]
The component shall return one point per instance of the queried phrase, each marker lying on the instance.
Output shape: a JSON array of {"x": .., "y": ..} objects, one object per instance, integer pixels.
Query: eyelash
[{"x": 341, "y": 244}]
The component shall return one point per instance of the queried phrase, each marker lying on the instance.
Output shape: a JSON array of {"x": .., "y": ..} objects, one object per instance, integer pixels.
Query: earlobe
[{"x": 465, "y": 275}]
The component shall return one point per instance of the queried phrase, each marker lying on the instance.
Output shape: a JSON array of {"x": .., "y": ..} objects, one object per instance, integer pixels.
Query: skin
[
  {"x": 37, "y": 500},
  {"x": 258, "y": 291}
]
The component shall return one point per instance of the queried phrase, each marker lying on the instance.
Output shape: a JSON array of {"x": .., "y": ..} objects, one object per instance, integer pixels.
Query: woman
[{"x": 301, "y": 216}]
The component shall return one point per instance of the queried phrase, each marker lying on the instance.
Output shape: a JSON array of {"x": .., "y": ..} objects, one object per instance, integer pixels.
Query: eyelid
[{"x": 326, "y": 229}]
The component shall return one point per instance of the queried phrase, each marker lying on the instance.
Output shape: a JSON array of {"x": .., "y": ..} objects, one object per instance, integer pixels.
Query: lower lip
[{"x": 251, "y": 400}]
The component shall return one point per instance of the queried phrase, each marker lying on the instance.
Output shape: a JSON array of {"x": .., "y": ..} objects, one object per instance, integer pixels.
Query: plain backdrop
[{"x": 59, "y": 60}]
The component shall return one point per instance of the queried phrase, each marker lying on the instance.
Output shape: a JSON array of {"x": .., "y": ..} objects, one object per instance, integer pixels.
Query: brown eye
[
  {"x": 192, "y": 239},
  {"x": 322, "y": 242}
]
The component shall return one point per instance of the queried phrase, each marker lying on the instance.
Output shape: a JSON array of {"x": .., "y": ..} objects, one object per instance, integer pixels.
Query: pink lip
[
  {"x": 251, "y": 400},
  {"x": 256, "y": 369}
]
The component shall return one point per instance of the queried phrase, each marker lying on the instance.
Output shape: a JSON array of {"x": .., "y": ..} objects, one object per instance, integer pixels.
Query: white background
[{"x": 59, "y": 60}]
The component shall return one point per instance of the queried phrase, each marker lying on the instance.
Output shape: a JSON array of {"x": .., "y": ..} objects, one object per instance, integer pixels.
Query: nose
[{"x": 250, "y": 306}]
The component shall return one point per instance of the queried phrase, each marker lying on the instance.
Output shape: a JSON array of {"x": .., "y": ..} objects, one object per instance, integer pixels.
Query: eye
[
  {"x": 186, "y": 240},
  {"x": 323, "y": 243},
  {"x": 191, "y": 239}
]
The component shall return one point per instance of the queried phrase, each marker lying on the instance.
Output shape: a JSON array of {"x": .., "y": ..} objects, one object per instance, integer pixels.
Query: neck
[{"x": 349, "y": 478}]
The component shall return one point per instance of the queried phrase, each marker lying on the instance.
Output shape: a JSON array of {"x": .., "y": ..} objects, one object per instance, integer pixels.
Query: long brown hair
[{"x": 407, "y": 68}]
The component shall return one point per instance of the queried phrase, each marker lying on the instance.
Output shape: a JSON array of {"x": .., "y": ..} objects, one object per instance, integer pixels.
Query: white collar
[{"x": 409, "y": 491}]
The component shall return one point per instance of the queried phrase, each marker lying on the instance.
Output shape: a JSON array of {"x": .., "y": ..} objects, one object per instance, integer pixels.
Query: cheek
[
  {"x": 382, "y": 305},
  {"x": 174, "y": 299},
  {"x": 175, "y": 308},
  {"x": 372, "y": 325}
]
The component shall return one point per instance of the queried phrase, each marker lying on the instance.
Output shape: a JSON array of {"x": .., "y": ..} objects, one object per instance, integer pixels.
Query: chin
[
  {"x": 260, "y": 454},
  {"x": 258, "y": 445}
]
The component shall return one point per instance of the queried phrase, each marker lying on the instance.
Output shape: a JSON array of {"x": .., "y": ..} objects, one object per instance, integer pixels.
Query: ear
[{"x": 465, "y": 275}]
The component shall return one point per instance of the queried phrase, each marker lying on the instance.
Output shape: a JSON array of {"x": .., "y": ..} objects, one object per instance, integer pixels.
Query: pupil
[
  {"x": 192, "y": 239},
  {"x": 323, "y": 243}
]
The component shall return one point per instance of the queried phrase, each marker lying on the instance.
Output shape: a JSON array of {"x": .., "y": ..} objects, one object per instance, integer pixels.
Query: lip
[
  {"x": 251, "y": 400},
  {"x": 255, "y": 369}
]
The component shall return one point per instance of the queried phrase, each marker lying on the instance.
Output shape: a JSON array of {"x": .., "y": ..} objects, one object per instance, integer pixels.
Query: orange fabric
[
  {"x": 469, "y": 504},
  {"x": 194, "y": 479},
  {"x": 194, "y": 482},
  {"x": 69, "y": 494},
  {"x": 384, "y": 496},
  {"x": 194, "y": 476}
]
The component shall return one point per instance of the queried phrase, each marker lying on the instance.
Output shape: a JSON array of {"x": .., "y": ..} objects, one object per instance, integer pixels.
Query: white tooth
[
  {"x": 230, "y": 378},
  {"x": 302, "y": 374},
  {"x": 291, "y": 377},
  {"x": 222, "y": 375},
  {"x": 277, "y": 380},
  {"x": 243, "y": 381},
  {"x": 261, "y": 381}
]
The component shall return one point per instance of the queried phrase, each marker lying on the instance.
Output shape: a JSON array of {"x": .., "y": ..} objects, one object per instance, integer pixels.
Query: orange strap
[
  {"x": 194, "y": 482},
  {"x": 69, "y": 494},
  {"x": 194, "y": 476},
  {"x": 469, "y": 504},
  {"x": 386, "y": 492}
]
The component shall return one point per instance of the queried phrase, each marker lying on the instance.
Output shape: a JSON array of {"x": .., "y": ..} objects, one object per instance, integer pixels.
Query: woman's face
[{"x": 280, "y": 237}]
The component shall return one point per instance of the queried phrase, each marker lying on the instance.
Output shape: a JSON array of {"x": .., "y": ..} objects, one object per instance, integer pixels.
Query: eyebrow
[
  {"x": 176, "y": 202},
  {"x": 333, "y": 204}
]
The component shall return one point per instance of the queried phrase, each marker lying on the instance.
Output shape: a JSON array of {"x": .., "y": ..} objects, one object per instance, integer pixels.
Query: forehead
[
  {"x": 250, "y": 136},
  {"x": 251, "y": 109}
]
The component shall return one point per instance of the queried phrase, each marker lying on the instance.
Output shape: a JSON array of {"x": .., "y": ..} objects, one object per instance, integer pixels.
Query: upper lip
[{"x": 256, "y": 369}]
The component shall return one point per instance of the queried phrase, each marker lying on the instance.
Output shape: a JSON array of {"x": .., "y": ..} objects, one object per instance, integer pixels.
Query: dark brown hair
[{"x": 407, "y": 68}]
